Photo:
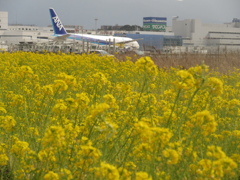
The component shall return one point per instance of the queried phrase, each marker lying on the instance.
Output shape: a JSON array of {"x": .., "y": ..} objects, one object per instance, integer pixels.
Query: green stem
[{"x": 175, "y": 102}]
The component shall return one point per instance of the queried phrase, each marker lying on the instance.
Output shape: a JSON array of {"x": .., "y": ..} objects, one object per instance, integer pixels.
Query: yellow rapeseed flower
[
  {"x": 59, "y": 86},
  {"x": 20, "y": 148},
  {"x": 25, "y": 71},
  {"x": 107, "y": 171},
  {"x": 7, "y": 122},
  {"x": 3, "y": 159},
  {"x": 186, "y": 81},
  {"x": 66, "y": 174},
  {"x": 60, "y": 107},
  {"x": 3, "y": 110},
  {"x": 205, "y": 121},
  {"x": 51, "y": 176},
  {"x": 99, "y": 109},
  {"x": 215, "y": 85},
  {"x": 54, "y": 137},
  {"x": 47, "y": 90},
  {"x": 82, "y": 99},
  {"x": 171, "y": 155},
  {"x": 3, "y": 156},
  {"x": 147, "y": 64},
  {"x": 69, "y": 79},
  {"x": 143, "y": 176}
]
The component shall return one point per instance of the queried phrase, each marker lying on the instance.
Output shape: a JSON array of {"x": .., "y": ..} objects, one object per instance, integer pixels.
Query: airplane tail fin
[{"x": 58, "y": 27}]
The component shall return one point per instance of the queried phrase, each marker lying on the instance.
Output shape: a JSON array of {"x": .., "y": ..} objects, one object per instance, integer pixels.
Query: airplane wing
[
  {"x": 61, "y": 38},
  {"x": 124, "y": 42}
]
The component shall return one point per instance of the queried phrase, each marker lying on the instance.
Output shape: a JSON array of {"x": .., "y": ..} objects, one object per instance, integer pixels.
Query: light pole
[{"x": 96, "y": 19}]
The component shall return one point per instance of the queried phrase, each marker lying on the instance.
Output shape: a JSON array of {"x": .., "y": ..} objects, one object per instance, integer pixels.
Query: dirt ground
[{"x": 220, "y": 62}]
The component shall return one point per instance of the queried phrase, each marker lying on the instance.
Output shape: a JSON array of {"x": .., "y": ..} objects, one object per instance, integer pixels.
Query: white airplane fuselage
[
  {"x": 61, "y": 34},
  {"x": 106, "y": 40}
]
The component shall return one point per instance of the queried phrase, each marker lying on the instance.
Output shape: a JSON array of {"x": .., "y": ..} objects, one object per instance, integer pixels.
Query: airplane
[{"x": 61, "y": 34}]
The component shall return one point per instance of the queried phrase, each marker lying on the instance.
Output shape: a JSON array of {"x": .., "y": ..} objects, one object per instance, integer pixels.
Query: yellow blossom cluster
[{"x": 67, "y": 116}]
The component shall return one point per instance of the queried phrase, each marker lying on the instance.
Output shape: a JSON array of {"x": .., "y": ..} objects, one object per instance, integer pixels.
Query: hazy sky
[{"x": 121, "y": 12}]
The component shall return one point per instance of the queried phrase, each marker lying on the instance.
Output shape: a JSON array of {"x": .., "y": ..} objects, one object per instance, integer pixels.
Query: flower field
[{"x": 66, "y": 116}]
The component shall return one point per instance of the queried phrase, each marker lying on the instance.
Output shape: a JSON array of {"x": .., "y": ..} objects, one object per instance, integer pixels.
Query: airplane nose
[{"x": 136, "y": 45}]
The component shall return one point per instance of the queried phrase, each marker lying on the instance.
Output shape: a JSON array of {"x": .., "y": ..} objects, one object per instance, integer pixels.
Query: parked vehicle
[{"x": 100, "y": 52}]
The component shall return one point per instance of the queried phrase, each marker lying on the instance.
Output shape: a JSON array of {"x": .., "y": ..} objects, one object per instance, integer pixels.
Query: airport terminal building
[
  {"x": 184, "y": 35},
  {"x": 195, "y": 33},
  {"x": 17, "y": 33},
  {"x": 191, "y": 35}
]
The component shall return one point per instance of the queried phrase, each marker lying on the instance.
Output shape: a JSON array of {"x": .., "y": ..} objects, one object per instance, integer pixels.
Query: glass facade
[{"x": 154, "y": 42}]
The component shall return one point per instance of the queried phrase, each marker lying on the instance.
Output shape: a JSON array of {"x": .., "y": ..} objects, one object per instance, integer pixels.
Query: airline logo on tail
[{"x": 57, "y": 24}]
